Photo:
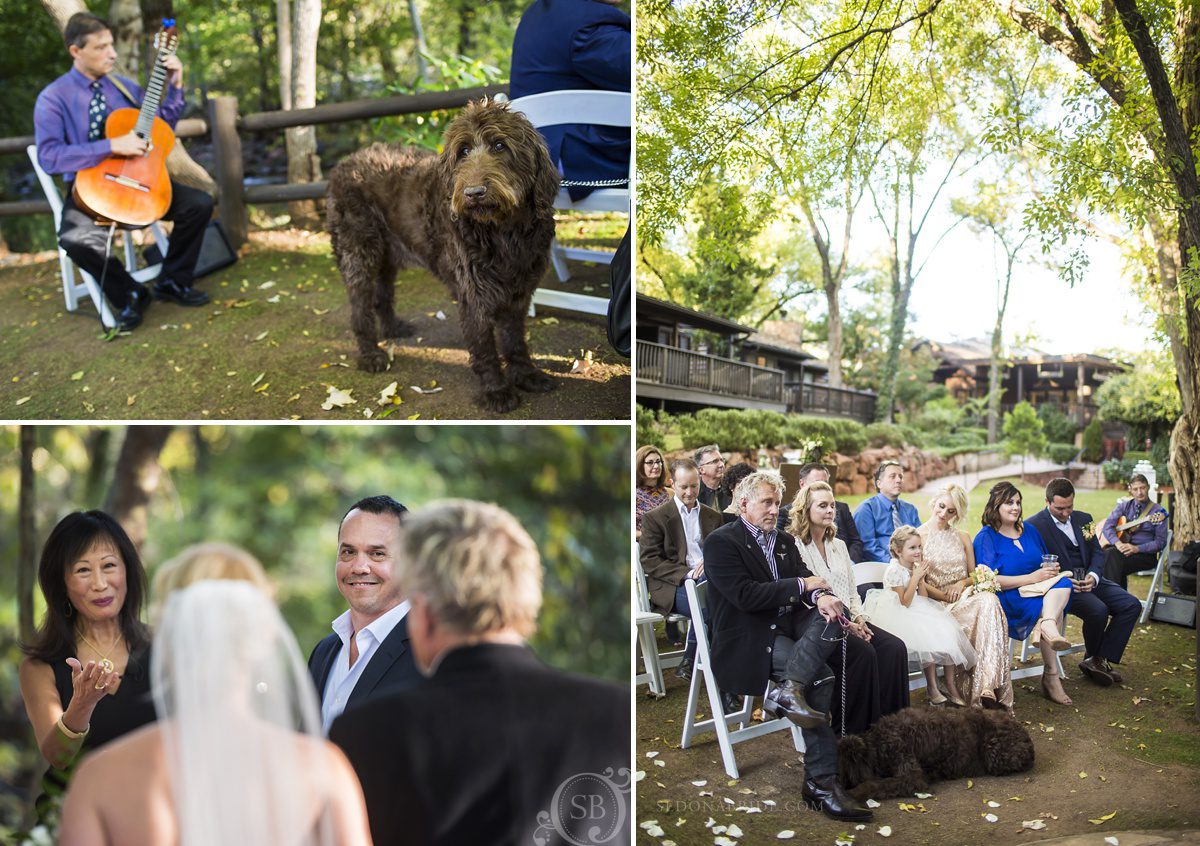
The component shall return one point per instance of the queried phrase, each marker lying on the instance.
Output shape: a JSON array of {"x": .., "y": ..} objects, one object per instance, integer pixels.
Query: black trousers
[
  {"x": 1118, "y": 566},
  {"x": 878, "y": 674},
  {"x": 84, "y": 243}
]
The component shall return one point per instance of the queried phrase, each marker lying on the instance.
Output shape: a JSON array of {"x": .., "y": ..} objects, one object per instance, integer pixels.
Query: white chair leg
[
  {"x": 559, "y": 261},
  {"x": 67, "y": 270},
  {"x": 650, "y": 658}
]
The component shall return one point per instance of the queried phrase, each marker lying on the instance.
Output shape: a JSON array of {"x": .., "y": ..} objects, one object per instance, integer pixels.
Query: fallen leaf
[
  {"x": 990, "y": 817},
  {"x": 262, "y": 387},
  {"x": 970, "y": 784},
  {"x": 719, "y": 829},
  {"x": 23, "y": 400},
  {"x": 338, "y": 398},
  {"x": 77, "y": 375},
  {"x": 639, "y": 775},
  {"x": 1112, "y": 841},
  {"x": 871, "y": 803},
  {"x": 723, "y": 841},
  {"x": 700, "y": 783},
  {"x": 425, "y": 390},
  {"x": 319, "y": 311},
  {"x": 273, "y": 299},
  {"x": 262, "y": 335},
  {"x": 1082, "y": 774},
  {"x": 992, "y": 804},
  {"x": 131, "y": 399},
  {"x": 1033, "y": 825},
  {"x": 264, "y": 286},
  {"x": 257, "y": 379},
  {"x": 441, "y": 315},
  {"x": 660, "y": 763},
  {"x": 549, "y": 321},
  {"x": 885, "y": 831},
  {"x": 922, "y": 795},
  {"x": 734, "y": 831},
  {"x": 786, "y": 834},
  {"x": 1103, "y": 819}
]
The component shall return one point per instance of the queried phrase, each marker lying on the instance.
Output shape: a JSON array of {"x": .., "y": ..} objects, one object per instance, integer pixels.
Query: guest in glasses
[
  {"x": 712, "y": 470},
  {"x": 874, "y": 656},
  {"x": 879, "y": 516},
  {"x": 653, "y": 484}
]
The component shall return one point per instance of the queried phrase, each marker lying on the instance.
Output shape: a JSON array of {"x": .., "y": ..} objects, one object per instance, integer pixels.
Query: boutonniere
[{"x": 1089, "y": 531}]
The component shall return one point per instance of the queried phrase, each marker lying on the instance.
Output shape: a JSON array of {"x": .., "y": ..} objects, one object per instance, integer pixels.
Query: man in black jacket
[
  {"x": 493, "y": 747},
  {"x": 772, "y": 618}
]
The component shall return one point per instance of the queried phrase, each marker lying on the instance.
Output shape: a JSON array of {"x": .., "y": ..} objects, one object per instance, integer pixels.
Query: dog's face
[{"x": 496, "y": 164}]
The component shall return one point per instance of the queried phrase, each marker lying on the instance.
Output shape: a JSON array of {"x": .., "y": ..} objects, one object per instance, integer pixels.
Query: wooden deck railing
[
  {"x": 662, "y": 365},
  {"x": 808, "y": 398}
]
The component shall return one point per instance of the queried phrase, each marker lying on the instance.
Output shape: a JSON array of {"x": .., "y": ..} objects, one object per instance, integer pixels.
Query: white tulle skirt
[{"x": 931, "y": 635}]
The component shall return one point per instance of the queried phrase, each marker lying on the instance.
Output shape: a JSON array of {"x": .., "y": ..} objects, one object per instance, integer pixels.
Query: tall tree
[
  {"x": 304, "y": 165},
  {"x": 26, "y": 547},
  {"x": 125, "y": 17},
  {"x": 136, "y": 479}
]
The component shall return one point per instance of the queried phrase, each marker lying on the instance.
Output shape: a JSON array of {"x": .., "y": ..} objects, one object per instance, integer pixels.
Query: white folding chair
[
  {"x": 720, "y": 721},
  {"x": 1160, "y": 573},
  {"x": 598, "y": 108},
  {"x": 73, "y": 290},
  {"x": 645, "y": 618}
]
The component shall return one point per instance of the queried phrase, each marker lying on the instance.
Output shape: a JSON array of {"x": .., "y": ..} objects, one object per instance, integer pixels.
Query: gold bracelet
[{"x": 72, "y": 735}]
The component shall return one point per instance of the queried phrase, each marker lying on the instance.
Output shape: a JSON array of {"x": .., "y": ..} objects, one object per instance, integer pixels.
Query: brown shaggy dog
[
  {"x": 906, "y": 751},
  {"x": 480, "y": 217}
]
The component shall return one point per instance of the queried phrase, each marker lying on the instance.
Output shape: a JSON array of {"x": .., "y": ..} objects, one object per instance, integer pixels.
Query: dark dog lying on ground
[
  {"x": 905, "y": 752},
  {"x": 480, "y": 217}
]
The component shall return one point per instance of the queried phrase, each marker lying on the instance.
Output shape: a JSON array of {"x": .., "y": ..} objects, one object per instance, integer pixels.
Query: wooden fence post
[{"x": 227, "y": 155}]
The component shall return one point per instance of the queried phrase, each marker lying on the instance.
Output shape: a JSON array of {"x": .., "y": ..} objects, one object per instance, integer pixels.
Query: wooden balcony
[
  {"x": 810, "y": 398},
  {"x": 673, "y": 374}
]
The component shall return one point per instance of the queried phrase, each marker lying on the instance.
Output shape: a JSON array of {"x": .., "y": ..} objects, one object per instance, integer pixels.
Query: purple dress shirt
[
  {"x": 60, "y": 120},
  {"x": 1148, "y": 537}
]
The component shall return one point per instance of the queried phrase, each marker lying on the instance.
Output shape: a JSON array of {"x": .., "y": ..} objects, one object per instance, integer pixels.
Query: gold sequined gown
[{"x": 980, "y": 616}]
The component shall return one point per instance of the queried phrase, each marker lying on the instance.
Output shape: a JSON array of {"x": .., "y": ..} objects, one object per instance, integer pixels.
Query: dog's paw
[
  {"x": 501, "y": 400},
  {"x": 373, "y": 361},
  {"x": 534, "y": 381},
  {"x": 397, "y": 328}
]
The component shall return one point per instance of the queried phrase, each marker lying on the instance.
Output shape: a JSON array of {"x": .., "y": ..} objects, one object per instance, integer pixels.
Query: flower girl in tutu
[{"x": 932, "y": 636}]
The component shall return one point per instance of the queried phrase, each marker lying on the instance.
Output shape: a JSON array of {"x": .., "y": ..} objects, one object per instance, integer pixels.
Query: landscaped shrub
[
  {"x": 1093, "y": 441},
  {"x": 651, "y": 427},
  {"x": 1059, "y": 428},
  {"x": 735, "y": 429},
  {"x": 1062, "y": 453},
  {"x": 884, "y": 434},
  {"x": 1113, "y": 472},
  {"x": 834, "y": 434}
]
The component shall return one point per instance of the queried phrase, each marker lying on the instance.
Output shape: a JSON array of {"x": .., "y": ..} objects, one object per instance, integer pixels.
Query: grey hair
[{"x": 747, "y": 486}]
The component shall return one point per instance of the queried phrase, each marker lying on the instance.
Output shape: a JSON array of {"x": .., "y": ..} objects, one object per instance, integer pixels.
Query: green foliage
[
  {"x": 748, "y": 429},
  {"x": 1093, "y": 441},
  {"x": 1146, "y": 396},
  {"x": 426, "y": 130},
  {"x": 1120, "y": 471},
  {"x": 1023, "y": 432},
  {"x": 1061, "y": 453},
  {"x": 1058, "y": 426},
  {"x": 650, "y": 428}
]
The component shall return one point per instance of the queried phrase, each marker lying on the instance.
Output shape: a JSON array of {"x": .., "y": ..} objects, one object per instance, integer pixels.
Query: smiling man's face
[{"x": 367, "y": 548}]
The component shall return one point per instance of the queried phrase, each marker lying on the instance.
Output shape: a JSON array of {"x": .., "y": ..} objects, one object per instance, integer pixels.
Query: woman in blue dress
[{"x": 1016, "y": 557}]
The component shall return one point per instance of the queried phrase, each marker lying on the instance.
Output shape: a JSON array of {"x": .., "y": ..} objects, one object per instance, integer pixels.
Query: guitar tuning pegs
[{"x": 168, "y": 22}]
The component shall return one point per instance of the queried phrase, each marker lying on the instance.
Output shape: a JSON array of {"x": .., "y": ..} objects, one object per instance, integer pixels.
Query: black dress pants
[
  {"x": 878, "y": 674},
  {"x": 84, "y": 243},
  {"x": 1118, "y": 566}
]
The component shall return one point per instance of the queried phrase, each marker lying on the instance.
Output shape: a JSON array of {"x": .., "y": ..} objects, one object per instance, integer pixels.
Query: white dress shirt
[
  {"x": 342, "y": 676},
  {"x": 1069, "y": 531},
  {"x": 691, "y": 531}
]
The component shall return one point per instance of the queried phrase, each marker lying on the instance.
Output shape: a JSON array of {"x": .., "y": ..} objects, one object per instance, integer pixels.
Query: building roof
[
  {"x": 654, "y": 308},
  {"x": 972, "y": 351}
]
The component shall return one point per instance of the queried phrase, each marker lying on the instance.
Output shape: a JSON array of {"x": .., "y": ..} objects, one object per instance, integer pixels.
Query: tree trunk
[
  {"x": 259, "y": 36},
  {"x": 283, "y": 44},
  {"x": 422, "y": 48},
  {"x": 303, "y": 163},
  {"x": 136, "y": 479},
  {"x": 27, "y": 532},
  {"x": 466, "y": 14},
  {"x": 834, "y": 332},
  {"x": 98, "y": 442},
  {"x": 125, "y": 17},
  {"x": 994, "y": 370}
]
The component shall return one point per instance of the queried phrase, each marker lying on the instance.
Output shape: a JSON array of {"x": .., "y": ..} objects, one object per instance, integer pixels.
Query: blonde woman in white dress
[
  {"x": 951, "y": 559},
  {"x": 813, "y": 525}
]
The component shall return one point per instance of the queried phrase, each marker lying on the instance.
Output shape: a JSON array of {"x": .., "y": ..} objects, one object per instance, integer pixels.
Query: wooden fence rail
[{"x": 224, "y": 124}]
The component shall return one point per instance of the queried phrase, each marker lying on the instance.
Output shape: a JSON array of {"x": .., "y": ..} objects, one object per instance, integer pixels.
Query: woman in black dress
[{"x": 85, "y": 678}]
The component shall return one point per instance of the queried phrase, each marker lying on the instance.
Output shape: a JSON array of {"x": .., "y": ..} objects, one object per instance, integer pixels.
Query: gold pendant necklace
[{"x": 106, "y": 663}]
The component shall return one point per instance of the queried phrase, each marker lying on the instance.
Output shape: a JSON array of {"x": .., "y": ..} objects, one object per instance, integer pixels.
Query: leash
[{"x": 593, "y": 183}]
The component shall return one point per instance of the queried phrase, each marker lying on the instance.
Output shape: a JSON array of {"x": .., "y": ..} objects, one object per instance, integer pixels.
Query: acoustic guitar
[
  {"x": 1124, "y": 529},
  {"x": 135, "y": 190}
]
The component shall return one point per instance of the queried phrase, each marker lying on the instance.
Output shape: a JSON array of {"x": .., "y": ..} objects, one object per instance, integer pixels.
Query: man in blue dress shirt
[
  {"x": 879, "y": 516},
  {"x": 68, "y": 124}
]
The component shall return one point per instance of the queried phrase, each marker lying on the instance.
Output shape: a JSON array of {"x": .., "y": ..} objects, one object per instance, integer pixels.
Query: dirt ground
[
  {"x": 1118, "y": 759},
  {"x": 276, "y": 339}
]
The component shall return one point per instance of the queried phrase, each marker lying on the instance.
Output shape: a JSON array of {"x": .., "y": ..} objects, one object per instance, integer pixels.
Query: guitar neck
[{"x": 153, "y": 98}]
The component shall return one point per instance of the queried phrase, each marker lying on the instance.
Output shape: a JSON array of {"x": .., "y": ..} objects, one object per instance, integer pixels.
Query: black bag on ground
[
  {"x": 1191, "y": 555},
  {"x": 215, "y": 251},
  {"x": 620, "y": 298}
]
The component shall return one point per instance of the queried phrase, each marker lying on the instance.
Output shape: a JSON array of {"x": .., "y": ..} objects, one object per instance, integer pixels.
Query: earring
[{"x": 70, "y": 608}]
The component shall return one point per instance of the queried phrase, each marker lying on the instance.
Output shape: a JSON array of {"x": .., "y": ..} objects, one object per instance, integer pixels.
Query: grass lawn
[{"x": 276, "y": 338}]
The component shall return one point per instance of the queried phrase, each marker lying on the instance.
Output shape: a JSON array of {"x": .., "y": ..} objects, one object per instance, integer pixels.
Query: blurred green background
[{"x": 280, "y": 491}]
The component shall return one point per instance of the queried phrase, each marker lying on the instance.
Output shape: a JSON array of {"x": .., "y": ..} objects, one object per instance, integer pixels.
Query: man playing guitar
[
  {"x": 1138, "y": 549},
  {"x": 68, "y": 124}
]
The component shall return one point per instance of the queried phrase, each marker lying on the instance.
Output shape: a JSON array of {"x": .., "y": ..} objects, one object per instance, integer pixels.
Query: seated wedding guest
[
  {"x": 202, "y": 561},
  {"x": 712, "y": 470},
  {"x": 951, "y": 559},
  {"x": 877, "y": 658},
  {"x": 729, "y": 482},
  {"x": 876, "y": 518},
  {"x": 653, "y": 483},
  {"x": 672, "y": 549},
  {"x": 903, "y": 605},
  {"x": 237, "y": 754},
  {"x": 85, "y": 678},
  {"x": 368, "y": 652},
  {"x": 843, "y": 521},
  {"x": 772, "y": 618},
  {"x": 482, "y": 750},
  {"x": 1109, "y": 612},
  {"x": 1032, "y": 591},
  {"x": 1140, "y": 549}
]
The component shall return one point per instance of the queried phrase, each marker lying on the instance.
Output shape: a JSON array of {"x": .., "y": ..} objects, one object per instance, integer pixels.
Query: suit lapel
[
  {"x": 675, "y": 529},
  {"x": 393, "y": 647},
  {"x": 755, "y": 555},
  {"x": 329, "y": 648}
]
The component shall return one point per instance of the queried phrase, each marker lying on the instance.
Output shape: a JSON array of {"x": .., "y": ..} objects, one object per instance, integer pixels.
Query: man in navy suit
[
  {"x": 570, "y": 44},
  {"x": 368, "y": 652},
  {"x": 1109, "y": 612}
]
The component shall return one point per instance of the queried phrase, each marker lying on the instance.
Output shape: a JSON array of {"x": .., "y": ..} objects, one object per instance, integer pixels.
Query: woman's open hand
[{"x": 91, "y": 684}]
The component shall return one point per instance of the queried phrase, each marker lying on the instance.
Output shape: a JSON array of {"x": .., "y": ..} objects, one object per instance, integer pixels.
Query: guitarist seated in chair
[
  {"x": 1137, "y": 548},
  {"x": 69, "y": 121}
]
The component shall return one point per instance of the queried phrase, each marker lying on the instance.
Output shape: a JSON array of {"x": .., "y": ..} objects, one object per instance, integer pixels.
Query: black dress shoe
[
  {"x": 825, "y": 794},
  {"x": 129, "y": 319},
  {"x": 1095, "y": 670},
  {"x": 1112, "y": 671},
  {"x": 169, "y": 289},
  {"x": 139, "y": 297},
  {"x": 731, "y": 702},
  {"x": 684, "y": 670},
  {"x": 786, "y": 701}
]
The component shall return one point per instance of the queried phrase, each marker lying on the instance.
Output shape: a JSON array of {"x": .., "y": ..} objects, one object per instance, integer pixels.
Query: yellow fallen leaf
[
  {"x": 23, "y": 400},
  {"x": 257, "y": 379},
  {"x": 1103, "y": 819},
  {"x": 262, "y": 387},
  {"x": 1082, "y": 774},
  {"x": 338, "y": 398},
  {"x": 970, "y": 784},
  {"x": 262, "y": 335},
  {"x": 387, "y": 394},
  {"x": 131, "y": 399},
  {"x": 77, "y": 375}
]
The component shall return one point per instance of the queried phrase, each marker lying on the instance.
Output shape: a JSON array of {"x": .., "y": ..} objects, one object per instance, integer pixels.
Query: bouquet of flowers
[
  {"x": 983, "y": 579},
  {"x": 1089, "y": 531}
]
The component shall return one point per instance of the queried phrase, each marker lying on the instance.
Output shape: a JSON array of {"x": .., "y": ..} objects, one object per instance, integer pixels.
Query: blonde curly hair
[{"x": 800, "y": 523}]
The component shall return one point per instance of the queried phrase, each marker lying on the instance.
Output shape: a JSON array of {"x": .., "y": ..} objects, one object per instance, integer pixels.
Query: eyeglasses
[
  {"x": 717, "y": 460},
  {"x": 657, "y": 461}
]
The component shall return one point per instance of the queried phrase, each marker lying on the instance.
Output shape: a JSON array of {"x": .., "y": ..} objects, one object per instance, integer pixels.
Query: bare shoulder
[
  {"x": 964, "y": 537},
  {"x": 36, "y": 680}
]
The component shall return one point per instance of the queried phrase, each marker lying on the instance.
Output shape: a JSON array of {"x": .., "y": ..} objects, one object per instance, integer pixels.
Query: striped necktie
[
  {"x": 97, "y": 112},
  {"x": 895, "y": 516}
]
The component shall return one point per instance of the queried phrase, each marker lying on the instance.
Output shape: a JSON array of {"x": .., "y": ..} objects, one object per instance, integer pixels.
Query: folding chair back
[{"x": 720, "y": 721}]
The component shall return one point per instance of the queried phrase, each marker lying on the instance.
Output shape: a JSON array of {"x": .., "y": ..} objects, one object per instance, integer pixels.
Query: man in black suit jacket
[
  {"x": 494, "y": 747},
  {"x": 1109, "y": 612},
  {"x": 368, "y": 652},
  {"x": 769, "y": 620}
]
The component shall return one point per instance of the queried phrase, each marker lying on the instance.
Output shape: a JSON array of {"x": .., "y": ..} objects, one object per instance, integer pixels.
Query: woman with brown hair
[
  {"x": 1032, "y": 594},
  {"x": 653, "y": 483},
  {"x": 884, "y": 656}
]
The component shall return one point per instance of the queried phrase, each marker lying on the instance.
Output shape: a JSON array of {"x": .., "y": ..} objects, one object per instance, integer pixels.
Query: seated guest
[
  {"x": 729, "y": 482},
  {"x": 482, "y": 750},
  {"x": 653, "y": 483},
  {"x": 672, "y": 549},
  {"x": 1015, "y": 555},
  {"x": 847, "y": 531},
  {"x": 572, "y": 44},
  {"x": 878, "y": 659},
  {"x": 769, "y": 615},
  {"x": 879, "y": 516},
  {"x": 951, "y": 560},
  {"x": 712, "y": 470},
  {"x": 1109, "y": 612},
  {"x": 1140, "y": 551}
]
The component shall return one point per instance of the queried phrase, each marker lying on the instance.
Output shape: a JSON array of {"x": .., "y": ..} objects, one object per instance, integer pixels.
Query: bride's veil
[{"x": 235, "y": 700}]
